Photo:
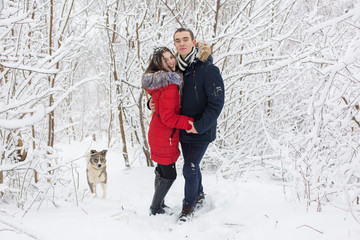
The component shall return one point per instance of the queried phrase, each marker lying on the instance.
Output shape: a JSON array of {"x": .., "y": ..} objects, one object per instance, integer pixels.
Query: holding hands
[{"x": 192, "y": 130}]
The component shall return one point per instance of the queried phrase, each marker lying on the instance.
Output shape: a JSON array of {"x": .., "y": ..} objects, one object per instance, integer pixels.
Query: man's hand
[
  {"x": 152, "y": 105},
  {"x": 192, "y": 130}
]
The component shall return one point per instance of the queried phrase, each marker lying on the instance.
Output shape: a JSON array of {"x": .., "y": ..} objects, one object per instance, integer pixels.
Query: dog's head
[{"x": 98, "y": 159}]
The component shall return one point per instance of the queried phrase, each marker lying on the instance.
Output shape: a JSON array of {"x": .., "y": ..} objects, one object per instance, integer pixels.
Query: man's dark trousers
[{"x": 192, "y": 153}]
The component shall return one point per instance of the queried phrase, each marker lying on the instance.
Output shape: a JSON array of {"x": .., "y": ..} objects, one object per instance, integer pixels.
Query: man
[{"x": 202, "y": 99}]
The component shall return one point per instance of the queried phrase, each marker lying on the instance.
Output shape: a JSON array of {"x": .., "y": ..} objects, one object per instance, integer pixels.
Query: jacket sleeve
[
  {"x": 215, "y": 94},
  {"x": 167, "y": 106}
]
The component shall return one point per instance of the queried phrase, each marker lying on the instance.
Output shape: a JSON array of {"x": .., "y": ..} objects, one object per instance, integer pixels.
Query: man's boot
[
  {"x": 186, "y": 214},
  {"x": 200, "y": 201}
]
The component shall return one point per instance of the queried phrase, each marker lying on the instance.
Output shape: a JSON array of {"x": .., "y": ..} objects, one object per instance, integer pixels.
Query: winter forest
[{"x": 71, "y": 70}]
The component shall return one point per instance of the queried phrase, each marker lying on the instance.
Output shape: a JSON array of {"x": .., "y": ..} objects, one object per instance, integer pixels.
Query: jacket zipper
[
  {"x": 195, "y": 89},
  {"x": 172, "y": 134}
]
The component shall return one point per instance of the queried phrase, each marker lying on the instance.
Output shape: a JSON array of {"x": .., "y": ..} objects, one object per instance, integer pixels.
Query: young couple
[{"x": 187, "y": 97}]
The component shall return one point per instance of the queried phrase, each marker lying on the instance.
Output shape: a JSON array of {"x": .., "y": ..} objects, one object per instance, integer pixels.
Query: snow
[
  {"x": 1, "y": 5},
  {"x": 27, "y": 121},
  {"x": 353, "y": 13},
  {"x": 277, "y": 58},
  {"x": 253, "y": 209},
  {"x": 18, "y": 65}
]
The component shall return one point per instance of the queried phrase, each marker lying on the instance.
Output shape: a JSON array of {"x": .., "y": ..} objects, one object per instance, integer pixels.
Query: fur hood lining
[
  {"x": 157, "y": 80},
  {"x": 204, "y": 51}
]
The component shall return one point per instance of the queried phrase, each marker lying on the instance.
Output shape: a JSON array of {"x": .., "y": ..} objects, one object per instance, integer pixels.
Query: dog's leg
[
  {"x": 103, "y": 185},
  {"x": 94, "y": 188}
]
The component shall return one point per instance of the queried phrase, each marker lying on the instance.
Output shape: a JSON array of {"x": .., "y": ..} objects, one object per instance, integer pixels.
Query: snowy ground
[{"x": 253, "y": 210}]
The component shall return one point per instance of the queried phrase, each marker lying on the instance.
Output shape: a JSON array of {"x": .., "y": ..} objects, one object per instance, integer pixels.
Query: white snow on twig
[
  {"x": 1, "y": 5},
  {"x": 38, "y": 115},
  {"x": 28, "y": 68},
  {"x": 354, "y": 13}
]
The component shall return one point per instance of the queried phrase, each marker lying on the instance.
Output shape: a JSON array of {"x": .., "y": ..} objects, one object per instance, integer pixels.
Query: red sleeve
[{"x": 168, "y": 103}]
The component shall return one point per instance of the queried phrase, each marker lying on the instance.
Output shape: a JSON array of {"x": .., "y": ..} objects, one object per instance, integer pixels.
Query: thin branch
[{"x": 305, "y": 225}]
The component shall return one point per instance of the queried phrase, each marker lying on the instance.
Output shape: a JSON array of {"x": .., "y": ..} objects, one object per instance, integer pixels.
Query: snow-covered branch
[
  {"x": 20, "y": 66},
  {"x": 37, "y": 116}
]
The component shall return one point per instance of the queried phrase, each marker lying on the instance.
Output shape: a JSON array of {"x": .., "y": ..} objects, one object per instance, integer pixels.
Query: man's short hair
[{"x": 185, "y": 30}]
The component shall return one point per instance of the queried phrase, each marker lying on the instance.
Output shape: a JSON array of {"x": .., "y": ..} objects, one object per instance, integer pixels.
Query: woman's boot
[{"x": 162, "y": 186}]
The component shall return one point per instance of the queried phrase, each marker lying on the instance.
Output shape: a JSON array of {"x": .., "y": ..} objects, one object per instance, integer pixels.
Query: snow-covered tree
[{"x": 72, "y": 69}]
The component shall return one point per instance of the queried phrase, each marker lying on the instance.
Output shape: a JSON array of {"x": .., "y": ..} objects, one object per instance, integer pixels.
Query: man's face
[{"x": 183, "y": 43}]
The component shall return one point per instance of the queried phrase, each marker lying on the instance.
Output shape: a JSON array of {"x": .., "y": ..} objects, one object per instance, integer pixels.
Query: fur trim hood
[
  {"x": 157, "y": 80},
  {"x": 204, "y": 51}
]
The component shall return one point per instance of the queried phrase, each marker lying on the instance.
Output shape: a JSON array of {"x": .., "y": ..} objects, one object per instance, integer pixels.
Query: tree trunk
[
  {"x": 51, "y": 121},
  {"x": 110, "y": 111},
  {"x": 34, "y": 146},
  {"x": 112, "y": 39},
  {"x": 51, "y": 80},
  {"x": 145, "y": 146},
  {"x": 123, "y": 136}
]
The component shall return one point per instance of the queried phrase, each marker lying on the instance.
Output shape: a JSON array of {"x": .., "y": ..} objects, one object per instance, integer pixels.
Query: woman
[{"x": 163, "y": 84}]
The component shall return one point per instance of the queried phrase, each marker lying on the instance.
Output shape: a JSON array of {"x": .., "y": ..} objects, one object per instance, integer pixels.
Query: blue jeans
[{"x": 192, "y": 153}]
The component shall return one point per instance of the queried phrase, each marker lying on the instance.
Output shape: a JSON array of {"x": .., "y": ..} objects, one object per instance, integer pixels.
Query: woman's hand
[
  {"x": 152, "y": 106},
  {"x": 192, "y": 130}
]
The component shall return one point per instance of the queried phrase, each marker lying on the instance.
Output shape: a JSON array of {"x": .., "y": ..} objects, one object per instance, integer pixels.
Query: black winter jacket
[{"x": 202, "y": 97}]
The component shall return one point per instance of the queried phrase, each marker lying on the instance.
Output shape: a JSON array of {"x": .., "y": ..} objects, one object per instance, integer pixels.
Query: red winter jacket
[{"x": 165, "y": 123}]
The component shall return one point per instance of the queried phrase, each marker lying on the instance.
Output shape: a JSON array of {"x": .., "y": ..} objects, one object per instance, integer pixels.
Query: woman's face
[{"x": 168, "y": 61}]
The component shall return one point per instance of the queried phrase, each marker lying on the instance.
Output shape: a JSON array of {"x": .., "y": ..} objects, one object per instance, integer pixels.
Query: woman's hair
[{"x": 156, "y": 60}]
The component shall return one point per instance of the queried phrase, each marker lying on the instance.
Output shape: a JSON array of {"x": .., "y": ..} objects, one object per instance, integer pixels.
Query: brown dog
[{"x": 96, "y": 171}]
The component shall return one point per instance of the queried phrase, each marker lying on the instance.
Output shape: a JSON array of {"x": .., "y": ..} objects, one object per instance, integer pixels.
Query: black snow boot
[
  {"x": 156, "y": 182},
  {"x": 162, "y": 186}
]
